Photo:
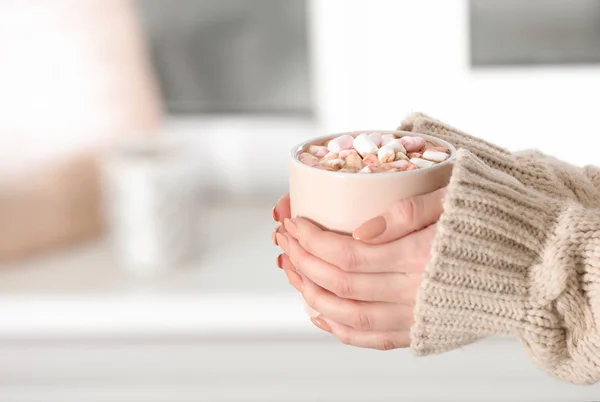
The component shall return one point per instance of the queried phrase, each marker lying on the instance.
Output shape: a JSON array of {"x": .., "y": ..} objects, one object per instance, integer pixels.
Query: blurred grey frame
[
  {"x": 534, "y": 32},
  {"x": 230, "y": 56}
]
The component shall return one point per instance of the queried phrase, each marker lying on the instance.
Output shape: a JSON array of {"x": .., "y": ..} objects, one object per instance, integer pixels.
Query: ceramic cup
[{"x": 341, "y": 201}]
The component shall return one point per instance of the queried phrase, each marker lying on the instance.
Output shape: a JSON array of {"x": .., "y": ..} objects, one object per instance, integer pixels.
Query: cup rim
[{"x": 431, "y": 138}]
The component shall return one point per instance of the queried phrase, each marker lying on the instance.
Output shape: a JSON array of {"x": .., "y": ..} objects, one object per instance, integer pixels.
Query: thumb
[{"x": 405, "y": 216}]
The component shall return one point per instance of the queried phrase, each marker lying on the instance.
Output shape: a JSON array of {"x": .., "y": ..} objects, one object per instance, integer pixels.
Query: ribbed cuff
[
  {"x": 491, "y": 234},
  {"x": 489, "y": 153},
  {"x": 531, "y": 167}
]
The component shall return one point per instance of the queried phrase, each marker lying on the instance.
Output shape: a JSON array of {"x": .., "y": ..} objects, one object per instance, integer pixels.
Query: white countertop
[{"x": 233, "y": 285}]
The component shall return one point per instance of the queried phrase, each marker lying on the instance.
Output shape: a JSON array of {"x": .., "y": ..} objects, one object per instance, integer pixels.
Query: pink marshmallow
[
  {"x": 413, "y": 144},
  {"x": 400, "y": 164},
  {"x": 340, "y": 143},
  {"x": 308, "y": 159},
  {"x": 376, "y": 138},
  {"x": 318, "y": 150},
  {"x": 371, "y": 160}
]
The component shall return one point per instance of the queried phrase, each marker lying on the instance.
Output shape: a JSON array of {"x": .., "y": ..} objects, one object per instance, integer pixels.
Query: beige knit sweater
[{"x": 517, "y": 252}]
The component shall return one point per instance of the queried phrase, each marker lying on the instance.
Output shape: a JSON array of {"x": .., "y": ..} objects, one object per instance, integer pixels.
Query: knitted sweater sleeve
[
  {"x": 532, "y": 168},
  {"x": 510, "y": 259}
]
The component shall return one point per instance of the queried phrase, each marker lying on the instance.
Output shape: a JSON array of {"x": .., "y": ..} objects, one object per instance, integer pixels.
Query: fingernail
[
  {"x": 274, "y": 237},
  {"x": 278, "y": 261},
  {"x": 294, "y": 279},
  {"x": 370, "y": 229},
  {"x": 282, "y": 241},
  {"x": 291, "y": 227},
  {"x": 274, "y": 213},
  {"x": 321, "y": 324}
]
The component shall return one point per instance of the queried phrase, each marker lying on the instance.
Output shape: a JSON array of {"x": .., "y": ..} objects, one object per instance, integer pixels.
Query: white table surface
[{"x": 232, "y": 284}]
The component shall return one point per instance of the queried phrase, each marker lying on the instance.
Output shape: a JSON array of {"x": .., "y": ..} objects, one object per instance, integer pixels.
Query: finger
[
  {"x": 404, "y": 217},
  {"x": 294, "y": 279},
  {"x": 382, "y": 287},
  {"x": 342, "y": 251},
  {"x": 279, "y": 229},
  {"x": 381, "y": 340},
  {"x": 282, "y": 210},
  {"x": 365, "y": 316},
  {"x": 409, "y": 254},
  {"x": 283, "y": 262}
]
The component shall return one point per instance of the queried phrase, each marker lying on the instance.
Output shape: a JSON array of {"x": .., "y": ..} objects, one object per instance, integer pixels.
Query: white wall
[{"x": 377, "y": 60}]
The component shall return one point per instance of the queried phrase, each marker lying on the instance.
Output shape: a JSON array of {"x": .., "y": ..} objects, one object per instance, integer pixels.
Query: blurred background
[{"x": 144, "y": 143}]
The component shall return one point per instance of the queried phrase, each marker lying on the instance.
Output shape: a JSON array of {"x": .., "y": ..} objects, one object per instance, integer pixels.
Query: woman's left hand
[{"x": 365, "y": 286}]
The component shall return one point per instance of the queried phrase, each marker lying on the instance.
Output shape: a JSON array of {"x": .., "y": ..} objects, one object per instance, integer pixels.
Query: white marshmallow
[
  {"x": 386, "y": 154},
  {"x": 364, "y": 145},
  {"x": 435, "y": 156},
  {"x": 397, "y": 145},
  {"x": 401, "y": 156},
  {"x": 366, "y": 169},
  {"x": 340, "y": 143},
  {"x": 421, "y": 163},
  {"x": 377, "y": 138},
  {"x": 387, "y": 138}
]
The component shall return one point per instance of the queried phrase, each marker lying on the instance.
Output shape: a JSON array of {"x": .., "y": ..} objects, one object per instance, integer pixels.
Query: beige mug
[{"x": 341, "y": 201}]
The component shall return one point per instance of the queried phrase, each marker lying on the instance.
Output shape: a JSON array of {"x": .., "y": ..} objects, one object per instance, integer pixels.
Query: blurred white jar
[{"x": 149, "y": 188}]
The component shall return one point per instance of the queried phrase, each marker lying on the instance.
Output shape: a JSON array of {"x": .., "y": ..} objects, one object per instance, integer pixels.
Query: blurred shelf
[{"x": 233, "y": 285}]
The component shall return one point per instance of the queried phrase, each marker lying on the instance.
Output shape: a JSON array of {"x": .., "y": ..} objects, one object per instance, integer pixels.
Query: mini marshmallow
[
  {"x": 354, "y": 160},
  {"x": 366, "y": 169},
  {"x": 415, "y": 155},
  {"x": 347, "y": 152},
  {"x": 318, "y": 150},
  {"x": 421, "y": 163},
  {"x": 401, "y": 155},
  {"x": 401, "y": 164},
  {"x": 329, "y": 156},
  {"x": 364, "y": 145},
  {"x": 371, "y": 160},
  {"x": 377, "y": 138},
  {"x": 435, "y": 156},
  {"x": 308, "y": 159},
  {"x": 413, "y": 144},
  {"x": 397, "y": 145},
  {"x": 340, "y": 143},
  {"x": 333, "y": 163},
  {"x": 439, "y": 149},
  {"x": 387, "y": 138},
  {"x": 386, "y": 154}
]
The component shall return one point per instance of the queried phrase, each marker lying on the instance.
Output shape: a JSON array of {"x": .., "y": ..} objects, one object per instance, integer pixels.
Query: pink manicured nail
[
  {"x": 321, "y": 324},
  {"x": 370, "y": 229}
]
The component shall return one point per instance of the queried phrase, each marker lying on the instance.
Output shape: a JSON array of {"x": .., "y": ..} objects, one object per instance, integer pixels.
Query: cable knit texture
[{"x": 517, "y": 252}]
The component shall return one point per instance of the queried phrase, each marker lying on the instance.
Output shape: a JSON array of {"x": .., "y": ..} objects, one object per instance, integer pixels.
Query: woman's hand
[{"x": 364, "y": 286}]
